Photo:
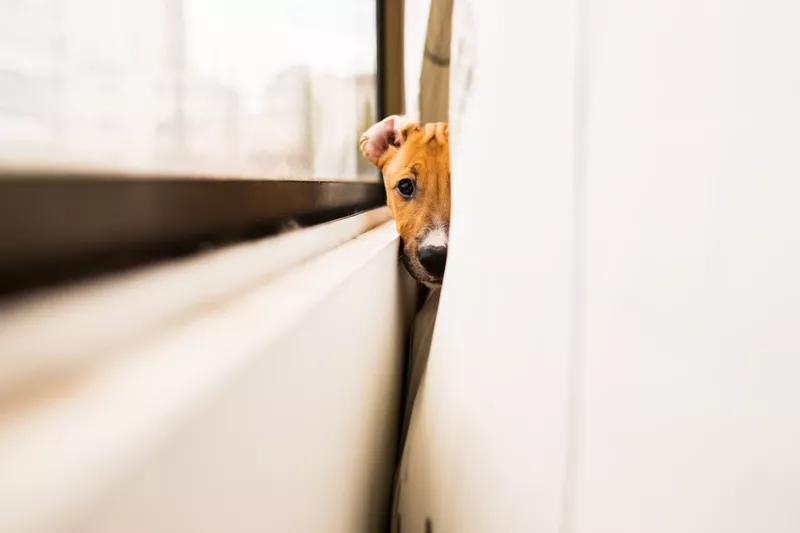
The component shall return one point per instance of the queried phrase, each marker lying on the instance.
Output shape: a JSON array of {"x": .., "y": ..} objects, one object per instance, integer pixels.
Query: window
[
  {"x": 277, "y": 88},
  {"x": 136, "y": 129}
]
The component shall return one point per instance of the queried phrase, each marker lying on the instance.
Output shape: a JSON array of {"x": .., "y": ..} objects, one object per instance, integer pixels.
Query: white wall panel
[
  {"x": 487, "y": 441},
  {"x": 272, "y": 407},
  {"x": 693, "y": 252},
  {"x": 618, "y": 344}
]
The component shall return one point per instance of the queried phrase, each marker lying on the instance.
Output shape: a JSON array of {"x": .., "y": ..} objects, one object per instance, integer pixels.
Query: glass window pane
[{"x": 241, "y": 88}]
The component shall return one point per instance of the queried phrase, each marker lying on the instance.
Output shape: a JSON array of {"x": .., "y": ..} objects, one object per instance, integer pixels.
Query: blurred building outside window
[{"x": 234, "y": 88}]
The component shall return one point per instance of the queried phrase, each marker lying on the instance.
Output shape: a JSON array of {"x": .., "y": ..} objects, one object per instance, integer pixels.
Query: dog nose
[{"x": 433, "y": 259}]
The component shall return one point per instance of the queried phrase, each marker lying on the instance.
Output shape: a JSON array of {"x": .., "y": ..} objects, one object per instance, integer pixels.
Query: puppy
[{"x": 415, "y": 162}]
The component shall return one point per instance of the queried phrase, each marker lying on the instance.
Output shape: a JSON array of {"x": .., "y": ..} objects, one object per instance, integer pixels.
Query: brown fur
[{"x": 420, "y": 153}]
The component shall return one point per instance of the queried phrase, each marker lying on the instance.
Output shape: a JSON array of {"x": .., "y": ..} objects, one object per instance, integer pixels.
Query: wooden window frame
[{"x": 63, "y": 226}]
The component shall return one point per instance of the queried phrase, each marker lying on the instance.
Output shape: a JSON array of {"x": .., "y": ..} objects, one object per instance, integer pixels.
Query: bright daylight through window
[{"x": 234, "y": 88}]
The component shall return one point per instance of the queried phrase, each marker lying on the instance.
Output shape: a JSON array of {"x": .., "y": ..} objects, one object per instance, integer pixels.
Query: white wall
[
  {"x": 692, "y": 336},
  {"x": 617, "y": 343},
  {"x": 487, "y": 443},
  {"x": 266, "y": 398},
  {"x": 304, "y": 439}
]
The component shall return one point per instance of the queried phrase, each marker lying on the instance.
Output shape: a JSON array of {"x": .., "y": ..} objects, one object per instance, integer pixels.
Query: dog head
[{"x": 415, "y": 162}]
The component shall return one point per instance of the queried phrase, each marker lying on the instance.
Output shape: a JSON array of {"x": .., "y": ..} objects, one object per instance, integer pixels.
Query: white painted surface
[
  {"x": 274, "y": 408},
  {"x": 690, "y": 408},
  {"x": 655, "y": 254},
  {"x": 487, "y": 441},
  {"x": 120, "y": 309}
]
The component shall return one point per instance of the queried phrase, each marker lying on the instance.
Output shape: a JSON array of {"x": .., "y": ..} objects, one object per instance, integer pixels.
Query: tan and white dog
[{"x": 415, "y": 162}]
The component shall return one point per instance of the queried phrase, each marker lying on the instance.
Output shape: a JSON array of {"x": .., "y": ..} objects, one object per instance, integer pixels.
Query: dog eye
[{"x": 405, "y": 187}]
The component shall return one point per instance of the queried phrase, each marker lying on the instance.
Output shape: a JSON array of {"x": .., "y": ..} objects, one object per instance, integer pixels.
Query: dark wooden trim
[
  {"x": 55, "y": 228},
  {"x": 390, "y": 58},
  {"x": 380, "y": 25}
]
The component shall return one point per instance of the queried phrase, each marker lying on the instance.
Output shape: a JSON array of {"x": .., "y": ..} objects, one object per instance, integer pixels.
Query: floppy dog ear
[{"x": 381, "y": 141}]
